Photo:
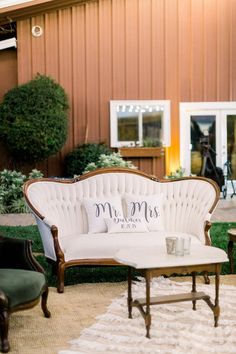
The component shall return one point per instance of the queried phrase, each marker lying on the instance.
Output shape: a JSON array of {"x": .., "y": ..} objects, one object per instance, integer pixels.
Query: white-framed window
[{"x": 139, "y": 123}]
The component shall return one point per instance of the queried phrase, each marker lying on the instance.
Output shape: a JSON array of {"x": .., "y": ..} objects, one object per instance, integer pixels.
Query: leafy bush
[
  {"x": 3, "y": 209},
  {"x": 35, "y": 174},
  {"x": 180, "y": 172},
  {"x": 19, "y": 206},
  {"x": 77, "y": 160},
  {"x": 33, "y": 120},
  {"x": 11, "y": 192},
  {"x": 11, "y": 183},
  {"x": 115, "y": 159}
]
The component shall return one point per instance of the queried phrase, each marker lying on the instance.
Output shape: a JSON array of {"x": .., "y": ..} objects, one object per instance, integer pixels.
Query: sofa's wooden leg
[
  {"x": 4, "y": 325},
  {"x": 44, "y": 303},
  {"x": 60, "y": 278}
]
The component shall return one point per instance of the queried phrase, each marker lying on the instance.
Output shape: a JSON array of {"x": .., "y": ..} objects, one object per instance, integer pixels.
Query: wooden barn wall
[
  {"x": 181, "y": 50},
  {"x": 8, "y": 80}
]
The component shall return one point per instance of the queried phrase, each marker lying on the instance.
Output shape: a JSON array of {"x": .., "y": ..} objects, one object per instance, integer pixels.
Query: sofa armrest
[
  {"x": 208, "y": 217},
  {"x": 17, "y": 254},
  {"x": 48, "y": 222}
]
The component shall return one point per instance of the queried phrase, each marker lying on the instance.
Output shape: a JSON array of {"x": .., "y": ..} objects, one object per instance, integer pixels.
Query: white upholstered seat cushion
[{"x": 104, "y": 245}]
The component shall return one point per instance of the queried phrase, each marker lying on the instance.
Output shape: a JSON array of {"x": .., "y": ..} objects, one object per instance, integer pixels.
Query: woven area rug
[{"x": 176, "y": 328}]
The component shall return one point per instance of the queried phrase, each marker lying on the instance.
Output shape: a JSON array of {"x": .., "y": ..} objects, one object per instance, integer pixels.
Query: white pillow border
[
  {"x": 97, "y": 224},
  {"x": 156, "y": 224}
]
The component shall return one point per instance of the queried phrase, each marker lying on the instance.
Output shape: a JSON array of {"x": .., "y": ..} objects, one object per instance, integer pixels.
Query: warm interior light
[{"x": 137, "y": 108}]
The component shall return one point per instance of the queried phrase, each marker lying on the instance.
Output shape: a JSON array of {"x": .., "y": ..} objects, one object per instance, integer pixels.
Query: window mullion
[{"x": 140, "y": 128}]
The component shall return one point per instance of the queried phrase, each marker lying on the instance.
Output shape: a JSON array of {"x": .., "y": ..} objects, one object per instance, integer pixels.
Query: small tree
[{"x": 33, "y": 120}]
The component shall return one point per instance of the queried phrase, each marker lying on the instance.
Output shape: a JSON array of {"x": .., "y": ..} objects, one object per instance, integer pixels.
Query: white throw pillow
[
  {"x": 148, "y": 207},
  {"x": 99, "y": 209},
  {"x": 117, "y": 225}
]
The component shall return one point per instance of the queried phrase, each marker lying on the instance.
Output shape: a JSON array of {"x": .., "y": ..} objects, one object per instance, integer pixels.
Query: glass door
[
  {"x": 208, "y": 134},
  {"x": 202, "y": 142}
]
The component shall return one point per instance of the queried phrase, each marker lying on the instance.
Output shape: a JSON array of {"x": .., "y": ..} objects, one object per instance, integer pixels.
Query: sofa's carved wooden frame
[{"x": 60, "y": 265}]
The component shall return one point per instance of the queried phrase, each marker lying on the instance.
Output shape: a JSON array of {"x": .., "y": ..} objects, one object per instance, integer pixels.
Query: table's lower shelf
[{"x": 168, "y": 299}]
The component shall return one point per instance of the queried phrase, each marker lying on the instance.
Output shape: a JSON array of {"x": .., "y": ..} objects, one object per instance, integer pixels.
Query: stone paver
[
  {"x": 17, "y": 219},
  {"x": 225, "y": 210}
]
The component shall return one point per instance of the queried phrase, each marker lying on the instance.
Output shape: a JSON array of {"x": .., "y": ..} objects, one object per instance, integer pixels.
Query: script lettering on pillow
[
  {"x": 147, "y": 207},
  {"x": 149, "y": 211},
  {"x": 98, "y": 210},
  {"x": 105, "y": 208},
  {"x": 117, "y": 225}
]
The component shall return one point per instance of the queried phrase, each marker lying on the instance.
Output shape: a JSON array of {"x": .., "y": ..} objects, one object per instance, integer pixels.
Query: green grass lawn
[{"x": 87, "y": 274}]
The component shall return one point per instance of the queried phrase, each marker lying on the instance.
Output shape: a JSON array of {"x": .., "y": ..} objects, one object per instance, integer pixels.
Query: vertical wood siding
[
  {"x": 8, "y": 79},
  {"x": 180, "y": 50},
  {"x": 8, "y": 71}
]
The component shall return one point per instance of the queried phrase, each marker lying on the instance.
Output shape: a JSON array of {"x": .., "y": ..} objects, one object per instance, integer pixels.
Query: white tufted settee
[{"x": 187, "y": 205}]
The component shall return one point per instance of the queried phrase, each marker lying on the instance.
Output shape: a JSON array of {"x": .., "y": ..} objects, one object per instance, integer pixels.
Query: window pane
[
  {"x": 231, "y": 143},
  {"x": 152, "y": 128},
  {"x": 127, "y": 126},
  {"x": 203, "y": 142},
  {"x": 140, "y": 122}
]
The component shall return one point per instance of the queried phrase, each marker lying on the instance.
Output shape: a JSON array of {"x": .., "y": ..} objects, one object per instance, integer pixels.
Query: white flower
[{"x": 114, "y": 159}]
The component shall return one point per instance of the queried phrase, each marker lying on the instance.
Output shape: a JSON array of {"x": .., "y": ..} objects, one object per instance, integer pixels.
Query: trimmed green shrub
[
  {"x": 33, "y": 120},
  {"x": 77, "y": 160}
]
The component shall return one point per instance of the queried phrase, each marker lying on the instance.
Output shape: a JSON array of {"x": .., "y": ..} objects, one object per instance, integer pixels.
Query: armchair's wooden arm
[
  {"x": 3, "y": 299},
  {"x": 17, "y": 254}
]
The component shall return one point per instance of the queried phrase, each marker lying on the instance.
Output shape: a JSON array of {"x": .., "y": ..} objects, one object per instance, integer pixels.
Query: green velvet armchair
[{"x": 22, "y": 283}]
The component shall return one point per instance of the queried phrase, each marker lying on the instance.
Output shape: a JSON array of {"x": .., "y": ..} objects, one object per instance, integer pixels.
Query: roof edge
[{"x": 35, "y": 7}]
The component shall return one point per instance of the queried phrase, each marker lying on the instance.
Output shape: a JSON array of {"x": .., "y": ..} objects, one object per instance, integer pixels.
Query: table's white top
[{"x": 144, "y": 258}]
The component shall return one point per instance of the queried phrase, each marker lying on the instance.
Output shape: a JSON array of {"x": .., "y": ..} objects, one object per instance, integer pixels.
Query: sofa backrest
[{"x": 187, "y": 202}]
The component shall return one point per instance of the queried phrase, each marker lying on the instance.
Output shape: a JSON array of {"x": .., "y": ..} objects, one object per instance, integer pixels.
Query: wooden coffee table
[{"x": 155, "y": 262}]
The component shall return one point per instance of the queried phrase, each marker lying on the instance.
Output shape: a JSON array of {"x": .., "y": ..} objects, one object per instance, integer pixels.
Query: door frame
[{"x": 220, "y": 110}]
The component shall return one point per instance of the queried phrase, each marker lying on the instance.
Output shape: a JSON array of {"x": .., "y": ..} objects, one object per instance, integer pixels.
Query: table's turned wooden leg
[
  {"x": 129, "y": 299},
  {"x": 194, "y": 289},
  {"x": 206, "y": 278},
  {"x": 147, "y": 314},
  {"x": 216, "y": 309},
  {"x": 230, "y": 255}
]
